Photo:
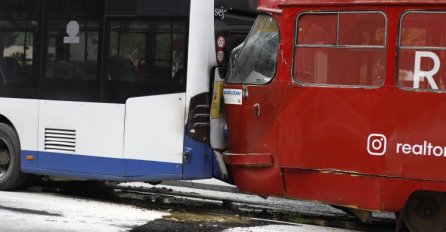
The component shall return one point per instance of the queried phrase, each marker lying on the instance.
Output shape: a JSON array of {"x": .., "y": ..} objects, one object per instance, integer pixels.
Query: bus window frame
[
  {"x": 397, "y": 66},
  {"x": 296, "y": 45}
]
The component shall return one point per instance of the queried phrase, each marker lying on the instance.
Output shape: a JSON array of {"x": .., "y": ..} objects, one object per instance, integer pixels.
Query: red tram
[{"x": 344, "y": 102}]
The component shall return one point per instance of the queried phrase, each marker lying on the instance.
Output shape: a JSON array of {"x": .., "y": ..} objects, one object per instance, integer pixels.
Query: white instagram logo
[{"x": 376, "y": 144}]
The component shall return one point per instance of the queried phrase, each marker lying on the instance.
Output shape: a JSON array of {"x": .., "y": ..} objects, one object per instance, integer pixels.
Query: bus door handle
[{"x": 256, "y": 110}]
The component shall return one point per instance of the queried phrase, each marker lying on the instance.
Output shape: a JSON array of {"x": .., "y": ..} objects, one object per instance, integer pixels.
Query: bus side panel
[
  {"x": 201, "y": 55},
  {"x": 198, "y": 159},
  {"x": 154, "y": 129},
  {"x": 81, "y": 137},
  {"x": 23, "y": 115}
]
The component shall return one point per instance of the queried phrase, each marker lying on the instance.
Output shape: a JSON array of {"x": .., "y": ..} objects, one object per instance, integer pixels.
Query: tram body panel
[{"x": 323, "y": 140}]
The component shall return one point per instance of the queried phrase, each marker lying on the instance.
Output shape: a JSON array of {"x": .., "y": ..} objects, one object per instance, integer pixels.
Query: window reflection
[
  {"x": 146, "y": 58},
  {"x": 345, "y": 48},
  {"x": 18, "y": 48}
]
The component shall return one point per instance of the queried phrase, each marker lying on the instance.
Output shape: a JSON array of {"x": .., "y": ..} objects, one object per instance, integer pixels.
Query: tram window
[
  {"x": 146, "y": 58},
  {"x": 257, "y": 60},
  {"x": 422, "y": 34},
  {"x": 351, "y": 53},
  {"x": 19, "y": 28},
  {"x": 317, "y": 29},
  {"x": 362, "y": 29}
]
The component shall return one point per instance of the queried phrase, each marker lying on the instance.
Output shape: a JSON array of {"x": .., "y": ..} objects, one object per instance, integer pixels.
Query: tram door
[
  {"x": 250, "y": 100},
  {"x": 246, "y": 91}
]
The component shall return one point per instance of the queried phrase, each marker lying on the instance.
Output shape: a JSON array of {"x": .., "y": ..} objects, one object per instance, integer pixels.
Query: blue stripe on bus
[
  {"x": 199, "y": 164},
  {"x": 101, "y": 168}
]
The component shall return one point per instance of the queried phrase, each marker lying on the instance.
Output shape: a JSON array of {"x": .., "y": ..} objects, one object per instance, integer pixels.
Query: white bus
[{"x": 109, "y": 89}]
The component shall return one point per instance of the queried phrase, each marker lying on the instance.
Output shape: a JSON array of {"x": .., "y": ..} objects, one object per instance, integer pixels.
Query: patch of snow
[
  {"x": 210, "y": 181},
  {"x": 51, "y": 212},
  {"x": 301, "y": 206},
  {"x": 285, "y": 228}
]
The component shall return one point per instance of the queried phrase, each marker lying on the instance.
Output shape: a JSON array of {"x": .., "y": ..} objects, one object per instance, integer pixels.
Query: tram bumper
[{"x": 255, "y": 173}]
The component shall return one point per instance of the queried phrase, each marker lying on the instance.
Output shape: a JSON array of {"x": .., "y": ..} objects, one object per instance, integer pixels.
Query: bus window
[
  {"x": 257, "y": 61},
  {"x": 344, "y": 49},
  {"x": 422, "y": 39},
  {"x": 146, "y": 58},
  {"x": 18, "y": 49},
  {"x": 72, "y": 50}
]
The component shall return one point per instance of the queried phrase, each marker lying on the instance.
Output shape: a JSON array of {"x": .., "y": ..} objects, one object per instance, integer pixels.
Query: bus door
[
  {"x": 173, "y": 49},
  {"x": 147, "y": 69}
]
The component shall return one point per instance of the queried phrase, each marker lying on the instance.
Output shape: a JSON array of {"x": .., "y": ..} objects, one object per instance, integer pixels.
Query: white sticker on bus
[
  {"x": 73, "y": 33},
  {"x": 233, "y": 96}
]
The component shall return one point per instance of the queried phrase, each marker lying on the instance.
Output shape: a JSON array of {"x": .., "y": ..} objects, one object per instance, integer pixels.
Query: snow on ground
[
  {"x": 22, "y": 211},
  {"x": 34, "y": 211},
  {"x": 209, "y": 181},
  {"x": 285, "y": 228},
  {"x": 310, "y": 207},
  {"x": 307, "y": 207}
]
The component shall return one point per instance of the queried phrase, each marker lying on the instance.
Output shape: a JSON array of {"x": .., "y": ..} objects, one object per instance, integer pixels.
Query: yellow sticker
[{"x": 216, "y": 108}]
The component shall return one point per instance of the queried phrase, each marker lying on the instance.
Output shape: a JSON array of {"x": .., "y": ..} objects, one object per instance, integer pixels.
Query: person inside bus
[
  {"x": 121, "y": 69},
  {"x": 127, "y": 68},
  {"x": 138, "y": 62}
]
